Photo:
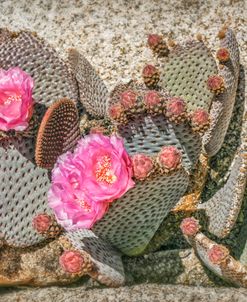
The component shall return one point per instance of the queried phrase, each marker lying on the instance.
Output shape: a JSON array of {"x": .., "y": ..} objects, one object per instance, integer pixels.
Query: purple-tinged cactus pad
[
  {"x": 93, "y": 92},
  {"x": 59, "y": 132},
  {"x": 23, "y": 192},
  {"x": 52, "y": 77}
]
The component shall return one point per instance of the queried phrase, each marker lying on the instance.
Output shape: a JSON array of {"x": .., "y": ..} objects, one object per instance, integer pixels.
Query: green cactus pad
[
  {"x": 132, "y": 220},
  {"x": 23, "y": 192},
  {"x": 52, "y": 77},
  {"x": 185, "y": 71}
]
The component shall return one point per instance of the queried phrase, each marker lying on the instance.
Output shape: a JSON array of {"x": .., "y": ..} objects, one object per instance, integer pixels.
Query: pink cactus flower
[
  {"x": 16, "y": 102},
  {"x": 71, "y": 262},
  {"x": 41, "y": 223},
  {"x": 86, "y": 181},
  {"x": 142, "y": 165}
]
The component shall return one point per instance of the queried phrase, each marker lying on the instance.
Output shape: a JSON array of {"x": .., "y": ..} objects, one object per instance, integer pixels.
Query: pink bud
[
  {"x": 200, "y": 117},
  {"x": 169, "y": 157},
  {"x": 175, "y": 106},
  {"x": 215, "y": 82},
  {"x": 189, "y": 226},
  {"x": 128, "y": 99},
  {"x": 142, "y": 165},
  {"x": 152, "y": 98},
  {"x": 149, "y": 71},
  {"x": 116, "y": 110},
  {"x": 71, "y": 261},
  {"x": 223, "y": 55},
  {"x": 41, "y": 223},
  {"x": 97, "y": 129},
  {"x": 154, "y": 40},
  {"x": 217, "y": 254}
]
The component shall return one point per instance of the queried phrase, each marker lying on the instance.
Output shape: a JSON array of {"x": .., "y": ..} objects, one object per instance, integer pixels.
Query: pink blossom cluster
[
  {"x": 16, "y": 102},
  {"x": 86, "y": 181}
]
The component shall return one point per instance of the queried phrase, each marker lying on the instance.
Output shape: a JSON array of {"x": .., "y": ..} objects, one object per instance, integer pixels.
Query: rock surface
[{"x": 137, "y": 293}]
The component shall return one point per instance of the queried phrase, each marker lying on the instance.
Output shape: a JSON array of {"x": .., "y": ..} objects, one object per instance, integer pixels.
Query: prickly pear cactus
[
  {"x": 26, "y": 163},
  {"x": 148, "y": 134},
  {"x": 176, "y": 117},
  {"x": 24, "y": 185},
  {"x": 185, "y": 71},
  {"x": 53, "y": 78}
]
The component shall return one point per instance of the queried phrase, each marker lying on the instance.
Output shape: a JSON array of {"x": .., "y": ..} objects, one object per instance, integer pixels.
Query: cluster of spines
[{"x": 131, "y": 102}]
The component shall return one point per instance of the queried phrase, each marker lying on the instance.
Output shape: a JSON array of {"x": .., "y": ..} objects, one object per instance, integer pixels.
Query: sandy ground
[{"x": 112, "y": 35}]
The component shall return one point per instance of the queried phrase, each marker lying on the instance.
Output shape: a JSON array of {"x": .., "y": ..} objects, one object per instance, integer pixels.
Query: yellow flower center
[
  {"x": 12, "y": 98},
  {"x": 84, "y": 205},
  {"x": 104, "y": 172}
]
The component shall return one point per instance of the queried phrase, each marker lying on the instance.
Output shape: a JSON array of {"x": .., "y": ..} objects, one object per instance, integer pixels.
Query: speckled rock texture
[
  {"x": 112, "y": 36},
  {"x": 137, "y": 293}
]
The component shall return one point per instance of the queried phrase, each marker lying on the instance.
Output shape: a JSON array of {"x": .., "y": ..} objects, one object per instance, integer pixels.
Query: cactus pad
[
  {"x": 23, "y": 189},
  {"x": 51, "y": 75},
  {"x": 128, "y": 224},
  {"x": 217, "y": 258},
  {"x": 93, "y": 92},
  {"x": 223, "y": 208},
  {"x": 133, "y": 219},
  {"x": 108, "y": 267},
  {"x": 223, "y": 104},
  {"x": 185, "y": 71}
]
